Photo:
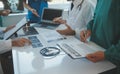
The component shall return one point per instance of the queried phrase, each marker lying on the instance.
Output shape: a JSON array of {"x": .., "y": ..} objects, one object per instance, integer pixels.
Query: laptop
[
  {"x": 47, "y": 17},
  {"x": 11, "y": 32},
  {"x": 77, "y": 49}
]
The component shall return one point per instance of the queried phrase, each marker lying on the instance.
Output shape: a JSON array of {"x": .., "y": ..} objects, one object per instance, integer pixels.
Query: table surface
[{"x": 28, "y": 60}]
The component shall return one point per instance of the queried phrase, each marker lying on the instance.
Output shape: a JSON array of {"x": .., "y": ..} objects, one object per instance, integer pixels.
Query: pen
[
  {"x": 85, "y": 36},
  {"x": 57, "y": 39}
]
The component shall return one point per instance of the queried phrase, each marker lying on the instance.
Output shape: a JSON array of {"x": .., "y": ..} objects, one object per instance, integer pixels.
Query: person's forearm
[
  {"x": 66, "y": 32},
  {"x": 112, "y": 54},
  {"x": 5, "y": 45},
  {"x": 70, "y": 32},
  {"x": 27, "y": 6},
  {"x": 1, "y": 12}
]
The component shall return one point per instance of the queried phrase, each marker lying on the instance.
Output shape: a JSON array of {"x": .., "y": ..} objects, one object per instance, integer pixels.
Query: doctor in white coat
[
  {"x": 79, "y": 16},
  {"x": 6, "y": 45}
]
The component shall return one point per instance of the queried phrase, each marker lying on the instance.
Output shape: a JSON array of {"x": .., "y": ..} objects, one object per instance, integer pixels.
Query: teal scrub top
[
  {"x": 105, "y": 28},
  {"x": 1, "y": 21},
  {"x": 39, "y": 5}
]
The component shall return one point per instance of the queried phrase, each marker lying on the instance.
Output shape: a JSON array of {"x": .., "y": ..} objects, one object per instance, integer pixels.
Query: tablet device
[{"x": 18, "y": 26}]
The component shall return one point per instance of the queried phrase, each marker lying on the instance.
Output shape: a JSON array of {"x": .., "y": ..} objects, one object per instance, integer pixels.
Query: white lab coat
[
  {"x": 5, "y": 45},
  {"x": 78, "y": 19}
]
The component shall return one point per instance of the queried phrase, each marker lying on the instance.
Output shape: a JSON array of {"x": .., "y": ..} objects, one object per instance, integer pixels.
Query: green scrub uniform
[
  {"x": 0, "y": 21},
  {"x": 105, "y": 28}
]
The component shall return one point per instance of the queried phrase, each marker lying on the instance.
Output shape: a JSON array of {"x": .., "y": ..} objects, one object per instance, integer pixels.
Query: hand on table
[
  {"x": 59, "y": 20},
  {"x": 95, "y": 57},
  {"x": 20, "y": 42},
  {"x": 84, "y": 35}
]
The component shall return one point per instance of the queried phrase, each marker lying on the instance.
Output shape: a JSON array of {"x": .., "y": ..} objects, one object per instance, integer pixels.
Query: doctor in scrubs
[
  {"x": 104, "y": 30},
  {"x": 35, "y": 8}
]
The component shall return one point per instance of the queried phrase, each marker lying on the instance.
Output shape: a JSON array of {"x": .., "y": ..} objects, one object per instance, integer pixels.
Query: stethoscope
[
  {"x": 49, "y": 51},
  {"x": 80, "y": 5}
]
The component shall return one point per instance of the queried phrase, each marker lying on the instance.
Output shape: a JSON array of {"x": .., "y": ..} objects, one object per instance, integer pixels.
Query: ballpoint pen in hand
[{"x": 86, "y": 35}]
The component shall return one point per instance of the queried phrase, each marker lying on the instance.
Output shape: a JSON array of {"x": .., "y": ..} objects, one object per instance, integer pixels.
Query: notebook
[
  {"x": 77, "y": 49},
  {"x": 48, "y": 15},
  {"x": 18, "y": 26}
]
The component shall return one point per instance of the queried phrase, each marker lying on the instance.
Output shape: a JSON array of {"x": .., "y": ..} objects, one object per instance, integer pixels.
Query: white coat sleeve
[
  {"x": 87, "y": 16},
  {"x": 5, "y": 45}
]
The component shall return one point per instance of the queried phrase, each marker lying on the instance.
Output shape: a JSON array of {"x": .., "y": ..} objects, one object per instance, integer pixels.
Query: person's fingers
[
  {"x": 17, "y": 42},
  {"x": 97, "y": 56},
  {"x": 8, "y": 11},
  {"x": 62, "y": 21},
  {"x": 60, "y": 31},
  {"x": 91, "y": 57},
  {"x": 27, "y": 41},
  {"x": 35, "y": 12},
  {"x": 20, "y": 42},
  {"x": 24, "y": 40},
  {"x": 88, "y": 33},
  {"x": 56, "y": 19},
  {"x": 67, "y": 26},
  {"x": 82, "y": 36},
  {"x": 9, "y": 27},
  {"x": 12, "y": 26}
]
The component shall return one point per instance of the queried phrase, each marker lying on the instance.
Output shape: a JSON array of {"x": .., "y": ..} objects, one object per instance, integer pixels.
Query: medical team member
[
  {"x": 6, "y": 46},
  {"x": 5, "y": 50},
  {"x": 35, "y": 8},
  {"x": 79, "y": 16},
  {"x": 104, "y": 30}
]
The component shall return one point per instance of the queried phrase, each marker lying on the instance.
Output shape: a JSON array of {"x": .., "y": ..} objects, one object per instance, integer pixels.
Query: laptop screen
[{"x": 49, "y": 14}]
